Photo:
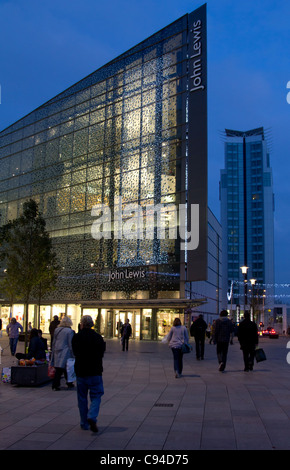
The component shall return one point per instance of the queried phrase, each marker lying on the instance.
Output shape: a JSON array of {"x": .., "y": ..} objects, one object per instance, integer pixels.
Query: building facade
[
  {"x": 211, "y": 289},
  {"x": 118, "y": 166},
  {"x": 247, "y": 217}
]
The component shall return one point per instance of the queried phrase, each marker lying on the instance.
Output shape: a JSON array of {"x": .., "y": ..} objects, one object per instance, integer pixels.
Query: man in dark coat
[
  {"x": 198, "y": 329},
  {"x": 126, "y": 332},
  {"x": 88, "y": 348},
  {"x": 248, "y": 338},
  {"x": 224, "y": 328},
  {"x": 55, "y": 322}
]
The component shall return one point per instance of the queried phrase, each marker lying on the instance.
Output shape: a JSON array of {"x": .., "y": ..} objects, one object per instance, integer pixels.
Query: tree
[{"x": 28, "y": 256}]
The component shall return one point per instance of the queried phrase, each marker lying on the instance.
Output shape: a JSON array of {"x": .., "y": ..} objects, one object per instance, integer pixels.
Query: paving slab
[{"x": 145, "y": 408}]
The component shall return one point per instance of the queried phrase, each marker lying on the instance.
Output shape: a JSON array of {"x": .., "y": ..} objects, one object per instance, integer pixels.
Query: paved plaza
[{"x": 146, "y": 408}]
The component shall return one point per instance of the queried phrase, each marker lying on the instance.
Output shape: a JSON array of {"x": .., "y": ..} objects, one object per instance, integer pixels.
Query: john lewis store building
[{"x": 118, "y": 166}]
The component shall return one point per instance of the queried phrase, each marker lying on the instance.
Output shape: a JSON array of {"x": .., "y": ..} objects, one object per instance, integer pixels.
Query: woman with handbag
[
  {"x": 177, "y": 336},
  {"x": 62, "y": 351}
]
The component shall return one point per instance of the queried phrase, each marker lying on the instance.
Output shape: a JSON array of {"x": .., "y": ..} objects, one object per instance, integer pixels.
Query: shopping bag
[
  {"x": 70, "y": 370},
  {"x": 186, "y": 348},
  {"x": 260, "y": 355},
  {"x": 51, "y": 371},
  {"x": 164, "y": 339},
  {"x": 6, "y": 375}
]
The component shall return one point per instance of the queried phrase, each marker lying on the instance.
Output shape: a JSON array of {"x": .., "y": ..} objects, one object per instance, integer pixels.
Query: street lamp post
[
  {"x": 264, "y": 296},
  {"x": 244, "y": 272},
  {"x": 253, "y": 282}
]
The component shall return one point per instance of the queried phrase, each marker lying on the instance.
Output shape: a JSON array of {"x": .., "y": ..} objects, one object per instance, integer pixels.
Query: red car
[{"x": 270, "y": 332}]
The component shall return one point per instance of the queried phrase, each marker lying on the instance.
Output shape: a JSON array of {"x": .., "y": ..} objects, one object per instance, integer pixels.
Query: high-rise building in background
[
  {"x": 130, "y": 142},
  {"x": 247, "y": 218}
]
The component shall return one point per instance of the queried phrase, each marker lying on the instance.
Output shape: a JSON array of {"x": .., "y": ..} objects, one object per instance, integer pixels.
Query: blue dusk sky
[{"x": 47, "y": 46}]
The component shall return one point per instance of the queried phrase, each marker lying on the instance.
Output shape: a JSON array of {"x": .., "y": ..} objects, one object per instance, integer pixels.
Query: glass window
[
  {"x": 131, "y": 125},
  {"x": 146, "y": 321},
  {"x": 78, "y": 198},
  {"x": 148, "y": 119},
  {"x": 80, "y": 142}
]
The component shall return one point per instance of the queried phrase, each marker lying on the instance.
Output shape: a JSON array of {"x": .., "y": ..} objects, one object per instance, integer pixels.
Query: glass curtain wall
[{"x": 115, "y": 138}]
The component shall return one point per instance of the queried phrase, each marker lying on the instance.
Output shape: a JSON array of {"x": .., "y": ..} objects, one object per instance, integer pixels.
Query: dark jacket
[
  {"x": 88, "y": 347},
  {"x": 53, "y": 325},
  {"x": 198, "y": 328},
  {"x": 223, "y": 329},
  {"x": 248, "y": 333},
  {"x": 126, "y": 330},
  {"x": 36, "y": 349}
]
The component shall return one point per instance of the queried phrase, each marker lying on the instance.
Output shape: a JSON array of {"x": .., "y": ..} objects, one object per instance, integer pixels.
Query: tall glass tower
[{"x": 247, "y": 217}]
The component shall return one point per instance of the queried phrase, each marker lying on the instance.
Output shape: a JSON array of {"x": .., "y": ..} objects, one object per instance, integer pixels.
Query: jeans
[
  {"x": 177, "y": 359},
  {"x": 222, "y": 352},
  {"x": 199, "y": 347},
  {"x": 125, "y": 342},
  {"x": 92, "y": 385},
  {"x": 13, "y": 345}
]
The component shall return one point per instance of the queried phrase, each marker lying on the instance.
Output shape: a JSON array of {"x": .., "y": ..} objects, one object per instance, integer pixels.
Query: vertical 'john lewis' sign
[
  {"x": 196, "y": 57},
  {"x": 197, "y": 138}
]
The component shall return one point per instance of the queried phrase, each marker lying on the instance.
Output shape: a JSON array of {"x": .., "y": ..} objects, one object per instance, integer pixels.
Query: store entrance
[{"x": 120, "y": 317}]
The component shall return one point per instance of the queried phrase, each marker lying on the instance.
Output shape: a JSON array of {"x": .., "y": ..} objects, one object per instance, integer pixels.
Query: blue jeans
[
  {"x": 92, "y": 385},
  {"x": 177, "y": 359},
  {"x": 13, "y": 345}
]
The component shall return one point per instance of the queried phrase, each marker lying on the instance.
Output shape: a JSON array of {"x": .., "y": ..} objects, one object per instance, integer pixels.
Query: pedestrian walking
[
  {"x": 212, "y": 332},
  {"x": 222, "y": 334},
  {"x": 176, "y": 337},
  {"x": 248, "y": 338},
  {"x": 126, "y": 332},
  {"x": 13, "y": 332},
  {"x": 88, "y": 348},
  {"x": 197, "y": 330},
  {"x": 208, "y": 331},
  {"x": 53, "y": 325},
  {"x": 233, "y": 333},
  {"x": 62, "y": 351}
]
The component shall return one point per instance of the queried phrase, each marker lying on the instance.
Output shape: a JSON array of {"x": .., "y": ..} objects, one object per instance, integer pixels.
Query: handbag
[
  {"x": 51, "y": 371},
  {"x": 260, "y": 355},
  {"x": 165, "y": 339},
  {"x": 186, "y": 348},
  {"x": 70, "y": 370}
]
